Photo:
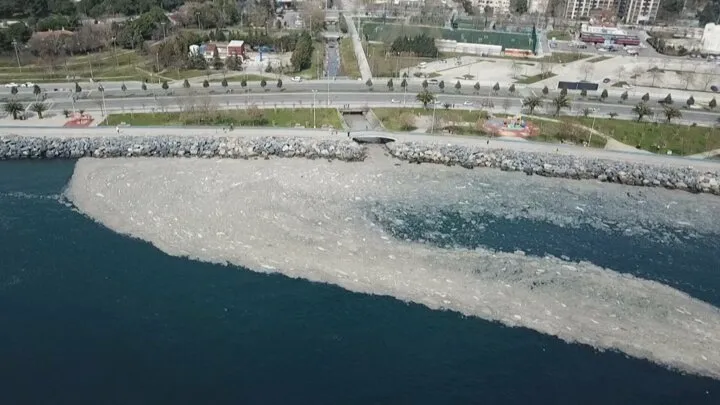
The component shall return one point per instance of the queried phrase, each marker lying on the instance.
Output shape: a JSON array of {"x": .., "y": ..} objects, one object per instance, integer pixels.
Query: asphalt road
[{"x": 354, "y": 100}]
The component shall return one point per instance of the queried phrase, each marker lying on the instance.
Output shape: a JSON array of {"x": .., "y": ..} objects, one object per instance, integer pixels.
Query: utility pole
[
  {"x": 101, "y": 89},
  {"x": 17, "y": 55},
  {"x": 90, "y": 63},
  {"x": 432, "y": 125},
  {"x": 314, "y": 117}
]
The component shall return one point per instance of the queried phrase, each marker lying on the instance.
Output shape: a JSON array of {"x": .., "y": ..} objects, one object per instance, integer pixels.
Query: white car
[
  {"x": 468, "y": 103},
  {"x": 11, "y": 85},
  {"x": 296, "y": 79},
  {"x": 394, "y": 101},
  {"x": 28, "y": 84}
]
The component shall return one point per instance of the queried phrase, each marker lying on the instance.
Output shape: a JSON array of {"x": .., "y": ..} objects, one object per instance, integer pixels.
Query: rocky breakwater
[
  {"x": 19, "y": 147},
  {"x": 564, "y": 166}
]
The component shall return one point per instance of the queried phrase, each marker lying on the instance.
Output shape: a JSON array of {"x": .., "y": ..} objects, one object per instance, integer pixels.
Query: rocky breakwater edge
[
  {"x": 20, "y": 147},
  {"x": 560, "y": 165}
]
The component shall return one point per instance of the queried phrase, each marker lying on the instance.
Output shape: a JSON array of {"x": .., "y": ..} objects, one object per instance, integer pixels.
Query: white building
[
  {"x": 638, "y": 11},
  {"x": 710, "y": 42},
  {"x": 577, "y": 9},
  {"x": 498, "y": 6},
  {"x": 537, "y": 6}
]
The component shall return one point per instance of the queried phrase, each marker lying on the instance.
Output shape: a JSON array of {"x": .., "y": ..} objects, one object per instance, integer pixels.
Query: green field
[
  {"x": 659, "y": 137},
  {"x": 317, "y": 63},
  {"x": 559, "y": 35},
  {"x": 391, "y": 117},
  {"x": 384, "y": 64},
  {"x": 348, "y": 61},
  {"x": 281, "y": 117},
  {"x": 599, "y": 59}
]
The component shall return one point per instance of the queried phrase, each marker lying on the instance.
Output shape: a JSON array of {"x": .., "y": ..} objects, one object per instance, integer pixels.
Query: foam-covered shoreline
[
  {"x": 310, "y": 220},
  {"x": 559, "y": 165}
]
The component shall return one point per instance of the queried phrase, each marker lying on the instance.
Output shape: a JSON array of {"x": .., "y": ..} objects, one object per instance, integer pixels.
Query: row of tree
[
  {"x": 420, "y": 45},
  {"x": 302, "y": 54}
]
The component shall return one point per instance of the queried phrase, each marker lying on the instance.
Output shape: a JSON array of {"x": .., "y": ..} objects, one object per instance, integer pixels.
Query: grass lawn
[
  {"x": 348, "y": 61},
  {"x": 535, "y": 78},
  {"x": 383, "y": 64},
  {"x": 659, "y": 137},
  {"x": 282, "y": 117},
  {"x": 560, "y": 35},
  {"x": 565, "y": 131},
  {"x": 390, "y": 117},
  {"x": 563, "y": 57},
  {"x": 599, "y": 59}
]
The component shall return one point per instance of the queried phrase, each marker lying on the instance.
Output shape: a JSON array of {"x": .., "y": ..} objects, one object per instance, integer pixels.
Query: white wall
[{"x": 710, "y": 41}]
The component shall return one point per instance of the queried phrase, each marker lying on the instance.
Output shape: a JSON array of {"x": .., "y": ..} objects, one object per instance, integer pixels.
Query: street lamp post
[
  {"x": 17, "y": 55},
  {"x": 432, "y": 125},
  {"x": 314, "y": 117},
  {"x": 117, "y": 64},
  {"x": 101, "y": 89}
]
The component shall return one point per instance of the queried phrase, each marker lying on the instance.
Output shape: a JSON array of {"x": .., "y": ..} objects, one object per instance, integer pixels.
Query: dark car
[
  {"x": 714, "y": 88},
  {"x": 606, "y": 80}
]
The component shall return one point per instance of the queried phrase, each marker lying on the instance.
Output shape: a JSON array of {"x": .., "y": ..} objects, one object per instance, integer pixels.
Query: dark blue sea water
[{"x": 91, "y": 317}]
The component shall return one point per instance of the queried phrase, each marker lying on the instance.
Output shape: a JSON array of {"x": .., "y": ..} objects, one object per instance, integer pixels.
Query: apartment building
[
  {"x": 498, "y": 6},
  {"x": 638, "y": 11},
  {"x": 577, "y": 9}
]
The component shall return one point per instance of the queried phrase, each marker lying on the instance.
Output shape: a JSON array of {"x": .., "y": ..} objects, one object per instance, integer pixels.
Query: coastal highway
[{"x": 354, "y": 100}]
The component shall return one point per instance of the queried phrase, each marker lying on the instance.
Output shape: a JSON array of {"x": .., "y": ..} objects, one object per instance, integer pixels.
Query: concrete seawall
[{"x": 531, "y": 163}]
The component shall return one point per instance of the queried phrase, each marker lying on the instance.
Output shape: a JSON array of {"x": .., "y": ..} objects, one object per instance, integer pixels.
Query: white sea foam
[{"x": 310, "y": 219}]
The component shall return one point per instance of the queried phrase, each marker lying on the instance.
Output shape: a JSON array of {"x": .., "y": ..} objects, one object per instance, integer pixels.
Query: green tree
[
  {"x": 624, "y": 96},
  {"x": 563, "y": 91},
  {"x": 424, "y": 84},
  {"x": 425, "y": 97},
  {"x": 642, "y": 110},
  {"x": 458, "y": 86},
  {"x": 224, "y": 83},
  {"x": 39, "y": 108},
  {"x": 14, "y": 91},
  {"x": 37, "y": 91},
  {"x": 369, "y": 84},
  {"x": 583, "y": 93},
  {"x": 390, "y": 84},
  {"x": 531, "y": 103},
  {"x": 206, "y": 83},
  {"x": 646, "y": 97},
  {"x": 165, "y": 85},
  {"x": 186, "y": 84},
  {"x": 123, "y": 87},
  {"x": 545, "y": 91},
  {"x": 519, "y": 7},
  {"x": 243, "y": 83},
  {"x": 217, "y": 63},
  {"x": 559, "y": 102},
  {"x": 495, "y": 88},
  {"x": 668, "y": 100},
  {"x": 690, "y": 101},
  {"x": 263, "y": 83},
  {"x": 511, "y": 89},
  {"x": 279, "y": 84},
  {"x": 143, "y": 87},
  {"x": 712, "y": 104},
  {"x": 586, "y": 111},
  {"x": 476, "y": 87},
  {"x": 14, "y": 107},
  {"x": 403, "y": 84},
  {"x": 441, "y": 85},
  {"x": 78, "y": 89},
  {"x": 604, "y": 95},
  {"x": 671, "y": 112}
]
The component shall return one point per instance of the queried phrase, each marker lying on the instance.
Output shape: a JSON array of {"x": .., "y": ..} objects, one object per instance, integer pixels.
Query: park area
[
  {"x": 253, "y": 116},
  {"x": 649, "y": 136}
]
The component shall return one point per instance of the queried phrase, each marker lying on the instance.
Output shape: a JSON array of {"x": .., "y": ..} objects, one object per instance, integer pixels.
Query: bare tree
[
  {"x": 688, "y": 78},
  {"x": 516, "y": 68},
  {"x": 706, "y": 79},
  {"x": 620, "y": 72},
  {"x": 545, "y": 68},
  {"x": 637, "y": 72},
  {"x": 588, "y": 69},
  {"x": 50, "y": 47},
  {"x": 656, "y": 75}
]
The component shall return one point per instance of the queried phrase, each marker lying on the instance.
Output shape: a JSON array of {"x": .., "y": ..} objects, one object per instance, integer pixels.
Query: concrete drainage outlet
[{"x": 372, "y": 139}]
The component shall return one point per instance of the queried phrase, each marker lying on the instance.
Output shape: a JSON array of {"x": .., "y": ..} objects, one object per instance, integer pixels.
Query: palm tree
[
  {"x": 39, "y": 109},
  {"x": 425, "y": 97},
  {"x": 532, "y": 102},
  {"x": 671, "y": 112},
  {"x": 642, "y": 109},
  {"x": 559, "y": 102},
  {"x": 36, "y": 91},
  {"x": 14, "y": 108}
]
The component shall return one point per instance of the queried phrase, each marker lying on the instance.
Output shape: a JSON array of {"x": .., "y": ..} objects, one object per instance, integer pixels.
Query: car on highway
[
  {"x": 296, "y": 79},
  {"x": 468, "y": 103},
  {"x": 11, "y": 85},
  {"x": 394, "y": 101},
  {"x": 714, "y": 88},
  {"x": 433, "y": 81},
  {"x": 606, "y": 80},
  {"x": 28, "y": 84}
]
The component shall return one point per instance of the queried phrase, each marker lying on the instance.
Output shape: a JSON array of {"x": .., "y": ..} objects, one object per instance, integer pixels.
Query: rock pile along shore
[
  {"x": 531, "y": 163},
  {"x": 15, "y": 147},
  {"x": 563, "y": 166}
]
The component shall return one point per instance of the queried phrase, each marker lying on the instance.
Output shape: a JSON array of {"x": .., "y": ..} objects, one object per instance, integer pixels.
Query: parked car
[
  {"x": 433, "y": 81},
  {"x": 714, "y": 88},
  {"x": 11, "y": 85},
  {"x": 296, "y": 79},
  {"x": 394, "y": 101},
  {"x": 468, "y": 103},
  {"x": 606, "y": 80}
]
